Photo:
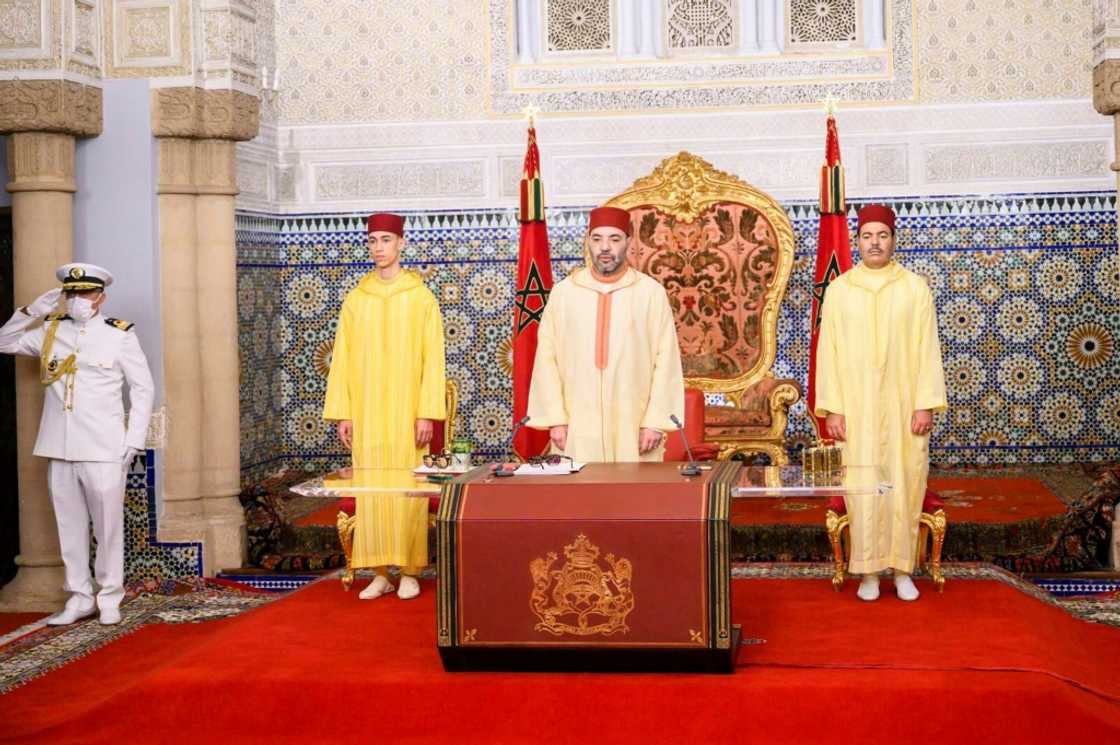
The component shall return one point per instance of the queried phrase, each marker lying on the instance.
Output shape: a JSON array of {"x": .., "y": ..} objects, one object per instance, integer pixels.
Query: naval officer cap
[{"x": 77, "y": 276}]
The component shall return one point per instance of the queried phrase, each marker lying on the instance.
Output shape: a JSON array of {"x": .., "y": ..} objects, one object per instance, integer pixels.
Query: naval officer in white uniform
[{"x": 84, "y": 357}]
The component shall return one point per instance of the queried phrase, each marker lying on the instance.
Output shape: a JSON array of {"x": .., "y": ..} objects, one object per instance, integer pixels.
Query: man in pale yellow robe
[
  {"x": 879, "y": 380},
  {"x": 385, "y": 386},
  {"x": 607, "y": 374}
]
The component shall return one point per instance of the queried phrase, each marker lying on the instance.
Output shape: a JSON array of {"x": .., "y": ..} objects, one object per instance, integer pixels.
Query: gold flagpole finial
[
  {"x": 530, "y": 113},
  {"x": 830, "y": 103}
]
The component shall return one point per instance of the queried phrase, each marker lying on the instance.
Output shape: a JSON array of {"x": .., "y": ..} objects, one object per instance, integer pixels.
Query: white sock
[
  {"x": 869, "y": 587},
  {"x": 904, "y": 586},
  {"x": 410, "y": 588}
]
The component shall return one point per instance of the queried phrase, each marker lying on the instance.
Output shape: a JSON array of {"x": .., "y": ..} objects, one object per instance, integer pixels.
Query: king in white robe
[{"x": 607, "y": 365}]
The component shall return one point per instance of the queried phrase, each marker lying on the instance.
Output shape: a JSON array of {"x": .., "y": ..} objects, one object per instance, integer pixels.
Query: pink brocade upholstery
[
  {"x": 694, "y": 423},
  {"x": 930, "y": 504},
  {"x": 718, "y": 271},
  {"x": 723, "y": 250}
]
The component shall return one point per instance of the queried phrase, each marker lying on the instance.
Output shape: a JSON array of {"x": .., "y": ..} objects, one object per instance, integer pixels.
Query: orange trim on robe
[{"x": 603, "y": 319}]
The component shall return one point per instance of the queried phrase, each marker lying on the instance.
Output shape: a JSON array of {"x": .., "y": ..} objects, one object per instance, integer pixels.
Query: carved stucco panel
[
  {"x": 414, "y": 180},
  {"x": 1017, "y": 161},
  {"x": 50, "y": 106}
]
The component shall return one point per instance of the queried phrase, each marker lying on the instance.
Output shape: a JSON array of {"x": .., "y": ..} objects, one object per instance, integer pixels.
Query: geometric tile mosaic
[
  {"x": 145, "y": 558},
  {"x": 1027, "y": 290}
]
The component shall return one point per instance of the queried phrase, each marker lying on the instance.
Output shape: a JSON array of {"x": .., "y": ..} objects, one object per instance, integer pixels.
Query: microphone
[
  {"x": 691, "y": 469},
  {"x": 499, "y": 471}
]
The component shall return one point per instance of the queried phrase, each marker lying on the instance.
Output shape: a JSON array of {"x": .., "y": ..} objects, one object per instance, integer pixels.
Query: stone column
[
  {"x": 43, "y": 119},
  {"x": 198, "y": 130},
  {"x": 182, "y": 367},
  {"x": 216, "y": 182},
  {"x": 1106, "y": 69},
  {"x": 41, "y": 167}
]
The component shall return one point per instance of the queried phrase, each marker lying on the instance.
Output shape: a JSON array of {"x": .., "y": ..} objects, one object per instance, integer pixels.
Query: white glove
[
  {"x": 130, "y": 454},
  {"x": 45, "y": 303}
]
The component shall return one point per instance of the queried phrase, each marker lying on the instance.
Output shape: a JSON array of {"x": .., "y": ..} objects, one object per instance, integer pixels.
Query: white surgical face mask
[{"x": 79, "y": 308}]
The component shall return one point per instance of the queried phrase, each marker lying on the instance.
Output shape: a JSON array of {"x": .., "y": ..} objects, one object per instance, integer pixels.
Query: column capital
[
  {"x": 215, "y": 167},
  {"x": 205, "y": 114},
  {"x": 1106, "y": 86},
  {"x": 50, "y": 106},
  {"x": 41, "y": 161}
]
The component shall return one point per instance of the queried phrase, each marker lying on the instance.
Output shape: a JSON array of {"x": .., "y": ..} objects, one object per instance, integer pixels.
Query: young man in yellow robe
[
  {"x": 879, "y": 380},
  {"x": 385, "y": 386},
  {"x": 607, "y": 375}
]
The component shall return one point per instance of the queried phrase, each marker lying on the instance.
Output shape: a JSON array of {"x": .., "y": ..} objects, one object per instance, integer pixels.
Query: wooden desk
[{"x": 618, "y": 567}]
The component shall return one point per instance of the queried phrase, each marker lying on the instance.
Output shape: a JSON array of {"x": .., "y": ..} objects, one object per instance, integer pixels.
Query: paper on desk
[{"x": 562, "y": 468}]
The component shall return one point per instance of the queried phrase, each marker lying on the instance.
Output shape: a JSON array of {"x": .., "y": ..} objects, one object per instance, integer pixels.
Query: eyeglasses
[
  {"x": 540, "y": 461},
  {"x": 439, "y": 460}
]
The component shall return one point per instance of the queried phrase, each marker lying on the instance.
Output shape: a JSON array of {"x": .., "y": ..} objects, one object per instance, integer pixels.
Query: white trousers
[{"x": 84, "y": 492}]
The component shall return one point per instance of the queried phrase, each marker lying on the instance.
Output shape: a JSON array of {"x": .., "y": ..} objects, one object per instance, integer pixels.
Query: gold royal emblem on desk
[{"x": 585, "y": 599}]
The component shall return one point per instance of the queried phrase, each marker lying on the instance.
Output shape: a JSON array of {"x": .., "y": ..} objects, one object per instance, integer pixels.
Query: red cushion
[
  {"x": 694, "y": 428},
  {"x": 932, "y": 503},
  {"x": 437, "y": 445}
]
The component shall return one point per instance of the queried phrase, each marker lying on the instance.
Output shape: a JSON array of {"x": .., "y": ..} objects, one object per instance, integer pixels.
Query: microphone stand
[
  {"x": 499, "y": 471},
  {"x": 690, "y": 469}
]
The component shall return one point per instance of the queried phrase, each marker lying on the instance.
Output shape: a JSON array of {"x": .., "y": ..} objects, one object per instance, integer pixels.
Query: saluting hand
[
  {"x": 423, "y": 432},
  {"x": 44, "y": 304},
  {"x": 346, "y": 433}
]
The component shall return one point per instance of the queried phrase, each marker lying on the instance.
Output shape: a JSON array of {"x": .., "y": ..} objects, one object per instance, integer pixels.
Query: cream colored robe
[
  {"x": 607, "y": 365},
  {"x": 387, "y": 371},
  {"x": 878, "y": 361}
]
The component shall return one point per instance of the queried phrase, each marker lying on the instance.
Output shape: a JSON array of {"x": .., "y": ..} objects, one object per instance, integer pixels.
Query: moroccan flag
[
  {"x": 534, "y": 282},
  {"x": 834, "y": 254}
]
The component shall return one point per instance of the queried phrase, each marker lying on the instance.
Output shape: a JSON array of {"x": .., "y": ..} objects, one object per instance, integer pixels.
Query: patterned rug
[
  {"x": 275, "y": 542},
  {"x": 37, "y": 649},
  {"x": 1073, "y": 537}
]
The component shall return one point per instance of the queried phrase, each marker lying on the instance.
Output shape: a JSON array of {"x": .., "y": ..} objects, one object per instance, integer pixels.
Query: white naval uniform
[{"x": 83, "y": 435}]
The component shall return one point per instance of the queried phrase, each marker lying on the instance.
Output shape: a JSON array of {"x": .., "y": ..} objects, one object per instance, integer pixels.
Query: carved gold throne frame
[{"x": 723, "y": 250}]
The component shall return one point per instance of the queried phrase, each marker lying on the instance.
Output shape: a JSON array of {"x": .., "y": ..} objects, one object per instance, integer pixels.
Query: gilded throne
[{"x": 723, "y": 250}]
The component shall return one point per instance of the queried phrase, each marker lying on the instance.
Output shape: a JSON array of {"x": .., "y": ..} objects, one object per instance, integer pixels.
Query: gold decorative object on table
[{"x": 823, "y": 463}]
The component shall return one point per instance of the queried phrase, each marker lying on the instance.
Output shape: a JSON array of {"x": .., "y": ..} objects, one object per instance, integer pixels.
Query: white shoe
[
  {"x": 110, "y": 616},
  {"x": 67, "y": 616},
  {"x": 410, "y": 588},
  {"x": 376, "y": 589},
  {"x": 904, "y": 586},
  {"x": 869, "y": 588}
]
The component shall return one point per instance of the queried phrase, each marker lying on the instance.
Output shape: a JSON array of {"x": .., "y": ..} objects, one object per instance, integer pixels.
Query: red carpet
[
  {"x": 967, "y": 500},
  {"x": 982, "y": 662},
  {"x": 12, "y": 621}
]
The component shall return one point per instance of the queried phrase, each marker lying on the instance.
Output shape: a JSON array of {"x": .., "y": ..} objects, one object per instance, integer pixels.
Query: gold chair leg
[
  {"x": 923, "y": 539},
  {"x": 346, "y": 538},
  {"x": 835, "y": 525},
  {"x": 939, "y": 527}
]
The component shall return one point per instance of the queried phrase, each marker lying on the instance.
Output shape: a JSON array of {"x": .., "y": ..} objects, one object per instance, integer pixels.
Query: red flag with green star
[
  {"x": 534, "y": 282},
  {"x": 834, "y": 253}
]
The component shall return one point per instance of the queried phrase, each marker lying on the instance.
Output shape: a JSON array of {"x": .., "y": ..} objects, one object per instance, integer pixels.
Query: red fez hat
[
  {"x": 387, "y": 222},
  {"x": 876, "y": 213},
  {"x": 610, "y": 217}
]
